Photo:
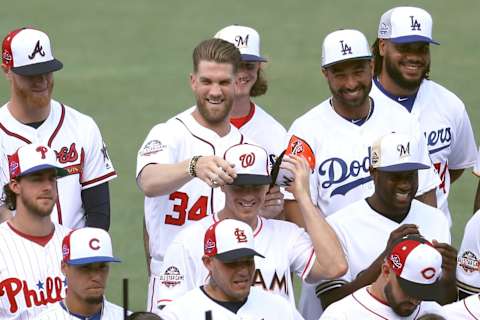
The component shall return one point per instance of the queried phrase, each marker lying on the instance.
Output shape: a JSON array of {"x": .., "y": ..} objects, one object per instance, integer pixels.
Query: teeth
[{"x": 402, "y": 196}]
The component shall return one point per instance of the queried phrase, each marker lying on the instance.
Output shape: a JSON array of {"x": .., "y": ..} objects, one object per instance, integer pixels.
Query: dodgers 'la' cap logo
[{"x": 342, "y": 45}]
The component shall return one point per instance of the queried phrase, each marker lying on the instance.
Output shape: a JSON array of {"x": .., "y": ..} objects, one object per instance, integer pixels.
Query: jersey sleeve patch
[{"x": 152, "y": 147}]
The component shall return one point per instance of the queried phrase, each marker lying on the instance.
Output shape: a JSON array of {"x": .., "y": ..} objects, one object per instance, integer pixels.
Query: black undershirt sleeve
[{"x": 96, "y": 202}]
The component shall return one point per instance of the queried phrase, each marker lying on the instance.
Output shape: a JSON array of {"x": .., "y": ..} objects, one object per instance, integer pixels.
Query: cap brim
[
  {"x": 252, "y": 57},
  {"x": 77, "y": 262},
  {"x": 60, "y": 171},
  {"x": 237, "y": 254},
  {"x": 349, "y": 59},
  {"x": 251, "y": 179},
  {"x": 407, "y": 166},
  {"x": 413, "y": 38},
  {"x": 424, "y": 292},
  {"x": 38, "y": 68}
]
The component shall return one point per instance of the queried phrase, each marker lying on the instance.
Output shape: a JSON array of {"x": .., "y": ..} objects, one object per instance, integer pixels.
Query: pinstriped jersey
[
  {"x": 79, "y": 148},
  {"x": 287, "y": 249},
  {"x": 448, "y": 132},
  {"x": 58, "y": 311},
  {"x": 465, "y": 309},
  {"x": 176, "y": 140},
  {"x": 30, "y": 275}
]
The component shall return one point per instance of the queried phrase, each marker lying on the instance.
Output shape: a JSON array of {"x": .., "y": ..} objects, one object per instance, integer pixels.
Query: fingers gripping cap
[
  {"x": 32, "y": 158},
  {"x": 229, "y": 240},
  {"x": 246, "y": 39},
  {"x": 28, "y": 52},
  {"x": 405, "y": 25},
  {"x": 418, "y": 267},
  {"x": 343, "y": 45}
]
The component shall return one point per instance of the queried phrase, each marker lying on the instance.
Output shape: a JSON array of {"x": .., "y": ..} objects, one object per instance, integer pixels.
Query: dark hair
[
  {"x": 216, "y": 50},
  {"x": 9, "y": 197},
  {"x": 378, "y": 59},
  {"x": 143, "y": 315},
  {"x": 260, "y": 86}
]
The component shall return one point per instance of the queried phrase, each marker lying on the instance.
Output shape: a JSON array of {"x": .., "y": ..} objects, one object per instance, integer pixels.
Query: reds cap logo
[{"x": 428, "y": 273}]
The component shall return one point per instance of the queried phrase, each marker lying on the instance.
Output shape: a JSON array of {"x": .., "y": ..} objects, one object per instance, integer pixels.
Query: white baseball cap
[
  {"x": 31, "y": 158},
  {"x": 251, "y": 164},
  {"x": 229, "y": 240},
  {"x": 405, "y": 25},
  {"x": 87, "y": 245},
  {"x": 418, "y": 267},
  {"x": 246, "y": 39},
  {"x": 342, "y": 45},
  {"x": 396, "y": 152},
  {"x": 28, "y": 52}
]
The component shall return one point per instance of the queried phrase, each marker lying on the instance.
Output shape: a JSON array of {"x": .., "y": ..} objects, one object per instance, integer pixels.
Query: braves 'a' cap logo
[
  {"x": 415, "y": 25},
  {"x": 43, "y": 151},
  {"x": 241, "y": 41},
  {"x": 345, "y": 48},
  {"x": 247, "y": 159},
  {"x": 38, "y": 49},
  {"x": 94, "y": 244}
]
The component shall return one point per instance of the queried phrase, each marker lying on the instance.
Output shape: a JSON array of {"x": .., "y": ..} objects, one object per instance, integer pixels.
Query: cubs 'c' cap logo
[{"x": 94, "y": 244}]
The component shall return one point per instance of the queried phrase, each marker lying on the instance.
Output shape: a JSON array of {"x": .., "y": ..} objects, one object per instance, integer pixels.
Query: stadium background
[{"x": 126, "y": 63}]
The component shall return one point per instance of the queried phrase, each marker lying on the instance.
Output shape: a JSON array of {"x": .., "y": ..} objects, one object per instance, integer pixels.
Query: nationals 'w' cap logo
[{"x": 251, "y": 164}]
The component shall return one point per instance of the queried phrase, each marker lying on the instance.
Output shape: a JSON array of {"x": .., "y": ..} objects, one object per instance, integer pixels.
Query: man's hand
[
  {"x": 273, "y": 204},
  {"x": 215, "y": 171}
]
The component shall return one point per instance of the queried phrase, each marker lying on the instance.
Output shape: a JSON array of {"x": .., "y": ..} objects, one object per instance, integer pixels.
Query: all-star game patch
[
  {"x": 171, "y": 277},
  {"x": 468, "y": 261},
  {"x": 152, "y": 147}
]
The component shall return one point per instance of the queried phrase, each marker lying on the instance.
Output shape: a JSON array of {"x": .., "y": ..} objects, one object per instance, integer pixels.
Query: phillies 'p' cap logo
[
  {"x": 43, "y": 150},
  {"x": 241, "y": 42},
  {"x": 247, "y": 160},
  {"x": 240, "y": 235},
  {"x": 428, "y": 273},
  {"x": 415, "y": 25},
  {"x": 38, "y": 49},
  {"x": 345, "y": 48},
  {"x": 94, "y": 244}
]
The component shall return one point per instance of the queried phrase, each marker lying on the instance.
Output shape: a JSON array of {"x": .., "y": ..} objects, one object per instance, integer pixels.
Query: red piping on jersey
[
  {"x": 59, "y": 211},
  {"x": 378, "y": 299},
  {"x": 99, "y": 178},
  {"x": 10, "y": 133},
  {"x": 40, "y": 240},
  {"x": 308, "y": 263},
  {"x": 241, "y": 121},
  {"x": 164, "y": 300},
  {"x": 353, "y": 295},
  {"x": 59, "y": 125},
  {"x": 468, "y": 310},
  {"x": 214, "y": 152},
  {"x": 259, "y": 227}
]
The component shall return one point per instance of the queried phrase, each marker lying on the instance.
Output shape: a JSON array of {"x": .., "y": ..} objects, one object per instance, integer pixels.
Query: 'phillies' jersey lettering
[
  {"x": 441, "y": 136},
  {"x": 339, "y": 170},
  {"x": 12, "y": 287},
  {"x": 196, "y": 212},
  {"x": 66, "y": 155},
  {"x": 277, "y": 283}
]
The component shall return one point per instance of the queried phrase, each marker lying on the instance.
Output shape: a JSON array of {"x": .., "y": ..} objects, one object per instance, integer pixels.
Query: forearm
[
  {"x": 292, "y": 213},
  {"x": 449, "y": 292},
  {"x": 161, "y": 179},
  {"x": 330, "y": 262}
]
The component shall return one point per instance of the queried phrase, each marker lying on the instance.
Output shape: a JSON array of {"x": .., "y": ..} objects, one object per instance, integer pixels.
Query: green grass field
[{"x": 127, "y": 65}]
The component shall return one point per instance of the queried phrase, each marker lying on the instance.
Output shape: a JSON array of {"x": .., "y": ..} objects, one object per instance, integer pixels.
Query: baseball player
[
  {"x": 87, "y": 253},
  {"x": 248, "y": 117},
  {"x": 31, "y": 243},
  {"x": 409, "y": 280},
  {"x": 476, "y": 172},
  {"x": 143, "y": 315},
  {"x": 229, "y": 252},
  {"x": 465, "y": 309},
  {"x": 340, "y": 132},
  {"x": 180, "y": 163},
  {"x": 402, "y": 65},
  {"x": 365, "y": 226},
  {"x": 468, "y": 262},
  {"x": 32, "y": 116},
  {"x": 313, "y": 255}
]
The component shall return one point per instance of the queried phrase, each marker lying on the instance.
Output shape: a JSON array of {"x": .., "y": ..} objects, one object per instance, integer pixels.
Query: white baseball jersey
[
  {"x": 79, "y": 147},
  {"x": 447, "y": 129},
  {"x": 342, "y": 151},
  {"x": 260, "y": 305},
  {"x": 362, "y": 305},
  {"x": 466, "y": 309},
  {"x": 363, "y": 234},
  {"x": 30, "y": 275},
  {"x": 59, "y": 311},
  {"x": 476, "y": 168},
  {"x": 468, "y": 262},
  {"x": 286, "y": 247},
  {"x": 265, "y": 131}
]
